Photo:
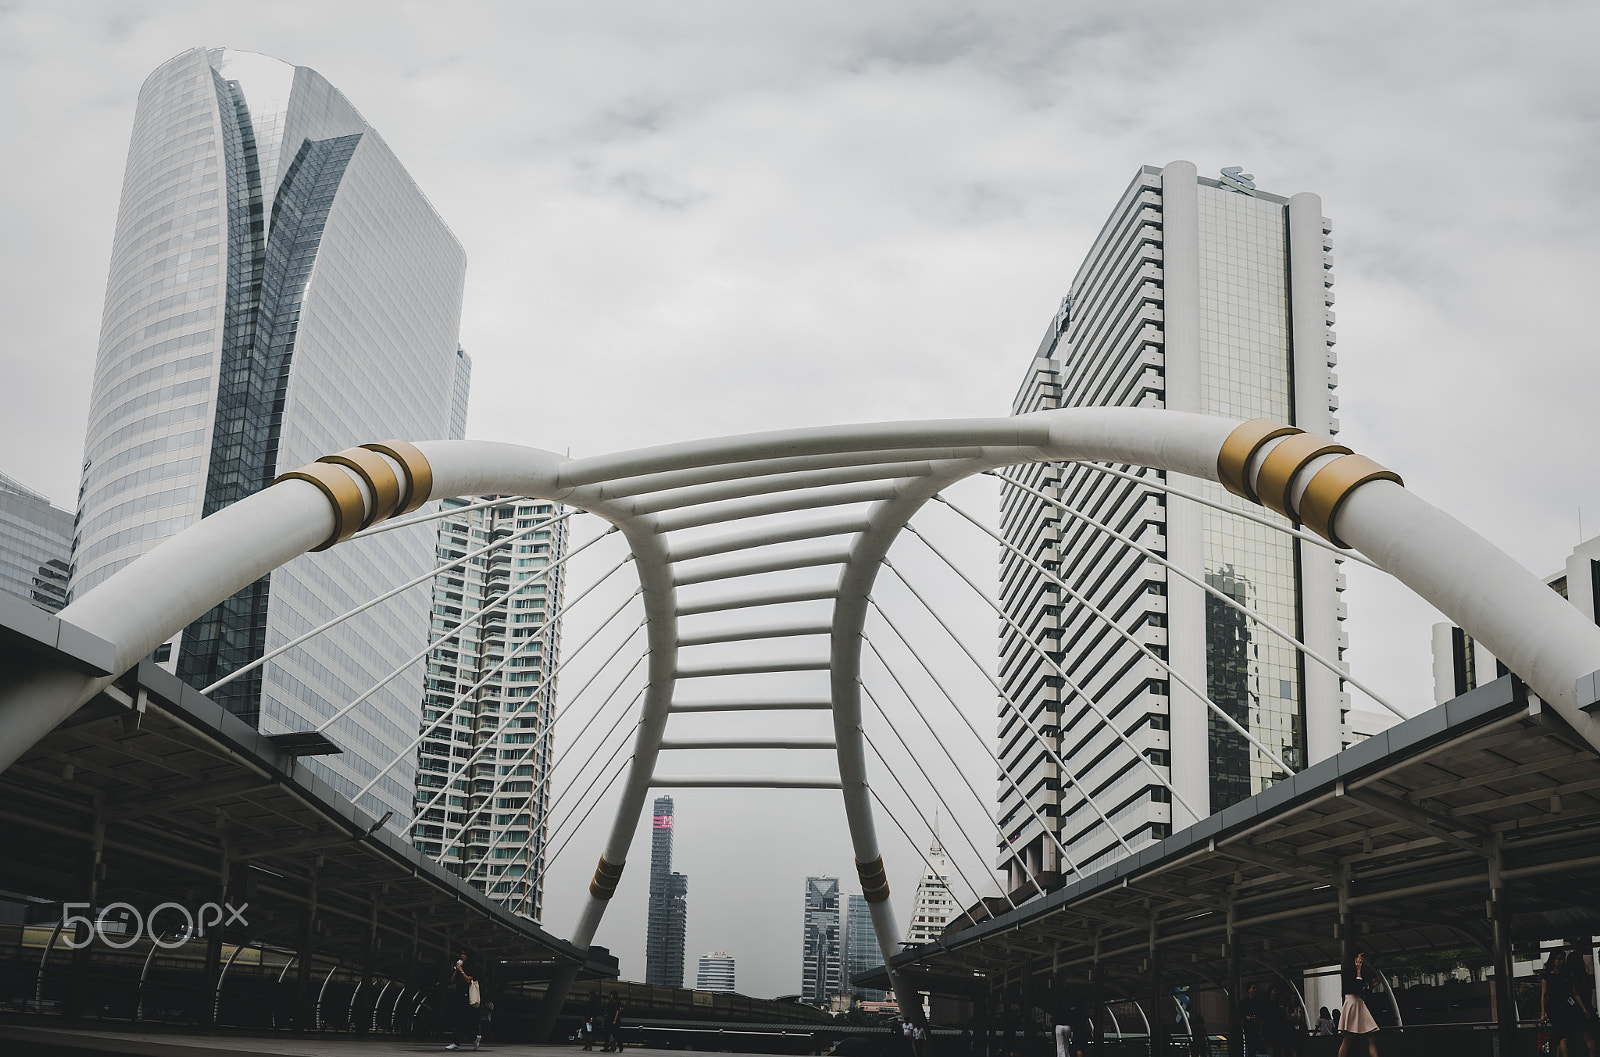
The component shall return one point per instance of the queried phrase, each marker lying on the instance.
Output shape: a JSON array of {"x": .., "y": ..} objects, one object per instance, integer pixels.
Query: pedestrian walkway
[{"x": 53, "y": 1041}]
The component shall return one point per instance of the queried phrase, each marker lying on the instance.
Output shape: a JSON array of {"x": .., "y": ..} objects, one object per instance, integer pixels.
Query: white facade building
[
  {"x": 35, "y": 546},
  {"x": 279, "y": 290},
  {"x": 490, "y": 825},
  {"x": 716, "y": 972},
  {"x": 935, "y": 905},
  {"x": 1460, "y": 664},
  {"x": 1198, "y": 295}
]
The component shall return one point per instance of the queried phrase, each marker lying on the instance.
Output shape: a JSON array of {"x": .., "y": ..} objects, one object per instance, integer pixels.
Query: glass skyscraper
[
  {"x": 668, "y": 913},
  {"x": 35, "y": 546},
  {"x": 1204, "y": 295},
  {"x": 820, "y": 953},
  {"x": 279, "y": 290},
  {"x": 494, "y": 674},
  {"x": 861, "y": 951}
]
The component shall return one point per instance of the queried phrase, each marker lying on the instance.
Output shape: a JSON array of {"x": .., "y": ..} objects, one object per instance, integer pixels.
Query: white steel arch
[{"x": 890, "y": 469}]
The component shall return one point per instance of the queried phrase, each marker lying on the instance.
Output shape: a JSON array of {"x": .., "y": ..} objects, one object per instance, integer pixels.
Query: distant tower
[
  {"x": 861, "y": 951},
  {"x": 716, "y": 972},
  {"x": 499, "y": 676},
  {"x": 819, "y": 972},
  {"x": 35, "y": 546},
  {"x": 935, "y": 905},
  {"x": 668, "y": 912}
]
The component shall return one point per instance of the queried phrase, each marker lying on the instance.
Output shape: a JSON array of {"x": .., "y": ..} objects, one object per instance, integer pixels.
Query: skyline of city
[{"x": 1359, "y": 325}]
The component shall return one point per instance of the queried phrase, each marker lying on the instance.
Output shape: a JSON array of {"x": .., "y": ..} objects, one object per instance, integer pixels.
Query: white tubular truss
[{"x": 866, "y": 481}]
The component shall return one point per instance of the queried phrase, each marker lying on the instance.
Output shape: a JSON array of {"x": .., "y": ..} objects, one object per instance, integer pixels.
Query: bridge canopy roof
[
  {"x": 176, "y": 779},
  {"x": 1413, "y": 816}
]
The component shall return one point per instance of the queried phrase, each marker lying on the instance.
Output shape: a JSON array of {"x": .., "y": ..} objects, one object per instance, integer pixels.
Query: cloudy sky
[{"x": 702, "y": 218}]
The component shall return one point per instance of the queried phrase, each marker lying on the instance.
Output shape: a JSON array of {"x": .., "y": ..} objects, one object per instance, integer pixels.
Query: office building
[
  {"x": 861, "y": 951},
  {"x": 934, "y": 903},
  {"x": 821, "y": 964},
  {"x": 668, "y": 915},
  {"x": 491, "y": 695},
  {"x": 1202, "y": 295},
  {"x": 1460, "y": 664},
  {"x": 279, "y": 290},
  {"x": 715, "y": 972},
  {"x": 35, "y": 546}
]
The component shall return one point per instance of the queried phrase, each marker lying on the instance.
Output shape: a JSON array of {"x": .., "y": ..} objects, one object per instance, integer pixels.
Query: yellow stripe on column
[
  {"x": 343, "y": 494},
  {"x": 419, "y": 475},
  {"x": 1332, "y": 485},
  {"x": 1284, "y": 463},
  {"x": 381, "y": 479},
  {"x": 1233, "y": 461},
  {"x": 874, "y": 880},
  {"x": 606, "y": 876}
]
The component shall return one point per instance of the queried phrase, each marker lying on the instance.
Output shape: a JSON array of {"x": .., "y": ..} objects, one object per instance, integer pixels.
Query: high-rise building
[
  {"x": 821, "y": 963},
  {"x": 668, "y": 914},
  {"x": 279, "y": 290},
  {"x": 1202, "y": 295},
  {"x": 861, "y": 951},
  {"x": 935, "y": 904},
  {"x": 493, "y": 676},
  {"x": 35, "y": 546},
  {"x": 715, "y": 972}
]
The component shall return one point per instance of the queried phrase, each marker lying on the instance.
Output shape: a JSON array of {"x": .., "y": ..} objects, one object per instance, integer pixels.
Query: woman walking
[
  {"x": 1356, "y": 1025},
  {"x": 1561, "y": 1007}
]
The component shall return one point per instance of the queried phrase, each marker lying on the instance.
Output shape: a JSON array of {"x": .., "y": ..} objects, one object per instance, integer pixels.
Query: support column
[
  {"x": 213, "y": 964},
  {"x": 1025, "y": 994},
  {"x": 1158, "y": 1005},
  {"x": 1097, "y": 985},
  {"x": 1235, "y": 989},
  {"x": 1500, "y": 911},
  {"x": 89, "y": 891},
  {"x": 302, "y": 983},
  {"x": 369, "y": 953},
  {"x": 982, "y": 1022}
]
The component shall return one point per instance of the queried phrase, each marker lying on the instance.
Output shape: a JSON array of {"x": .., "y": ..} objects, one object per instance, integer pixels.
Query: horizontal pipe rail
[
  {"x": 753, "y": 668},
  {"x": 750, "y": 743},
  {"x": 804, "y": 704},
  {"x": 730, "y": 781}
]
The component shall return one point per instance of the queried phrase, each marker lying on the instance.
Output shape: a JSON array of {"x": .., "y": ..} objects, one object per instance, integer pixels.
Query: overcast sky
[{"x": 692, "y": 219}]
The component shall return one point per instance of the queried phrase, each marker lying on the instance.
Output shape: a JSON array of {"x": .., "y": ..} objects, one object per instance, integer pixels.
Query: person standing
[
  {"x": 462, "y": 985},
  {"x": 1583, "y": 991},
  {"x": 1355, "y": 1019},
  {"x": 1561, "y": 1007},
  {"x": 613, "y": 1025},
  {"x": 591, "y": 1019}
]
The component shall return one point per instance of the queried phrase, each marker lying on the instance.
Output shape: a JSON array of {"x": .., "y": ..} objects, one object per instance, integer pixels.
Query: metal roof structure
[
  {"x": 1402, "y": 832},
  {"x": 174, "y": 791}
]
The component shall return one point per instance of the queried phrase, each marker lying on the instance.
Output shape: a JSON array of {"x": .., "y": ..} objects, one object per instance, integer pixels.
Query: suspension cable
[
  {"x": 533, "y": 697},
  {"x": 1004, "y": 772},
  {"x": 1209, "y": 589},
  {"x": 977, "y": 894},
  {"x": 363, "y": 607},
  {"x": 551, "y": 769},
  {"x": 517, "y": 761},
  {"x": 1128, "y": 635},
  {"x": 1037, "y": 734},
  {"x": 1161, "y": 486},
  {"x": 442, "y": 512},
  {"x": 466, "y": 622},
  {"x": 917, "y": 762},
  {"x": 1071, "y": 685},
  {"x": 578, "y": 826}
]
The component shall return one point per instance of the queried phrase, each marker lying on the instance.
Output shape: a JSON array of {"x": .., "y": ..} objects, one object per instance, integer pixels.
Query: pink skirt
[{"x": 1355, "y": 1018}]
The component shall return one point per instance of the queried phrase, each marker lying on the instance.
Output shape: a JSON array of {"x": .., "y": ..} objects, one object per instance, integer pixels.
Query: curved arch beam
[{"x": 1344, "y": 497}]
